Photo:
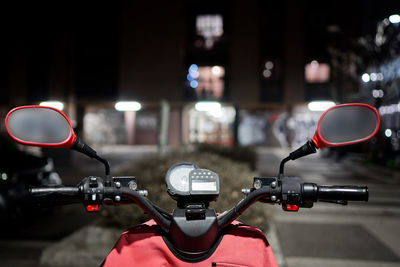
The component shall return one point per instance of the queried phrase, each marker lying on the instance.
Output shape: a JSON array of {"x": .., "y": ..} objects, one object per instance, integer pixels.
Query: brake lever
[{"x": 341, "y": 202}]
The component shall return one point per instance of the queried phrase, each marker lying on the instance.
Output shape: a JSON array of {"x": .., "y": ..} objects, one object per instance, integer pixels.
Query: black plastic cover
[{"x": 194, "y": 237}]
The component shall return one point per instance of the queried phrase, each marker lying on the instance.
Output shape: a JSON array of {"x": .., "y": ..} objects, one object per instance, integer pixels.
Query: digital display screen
[{"x": 200, "y": 185}]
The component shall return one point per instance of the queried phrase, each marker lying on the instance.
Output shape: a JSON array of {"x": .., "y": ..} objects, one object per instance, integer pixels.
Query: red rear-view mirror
[
  {"x": 346, "y": 124},
  {"x": 48, "y": 127},
  {"x": 340, "y": 125},
  {"x": 40, "y": 126}
]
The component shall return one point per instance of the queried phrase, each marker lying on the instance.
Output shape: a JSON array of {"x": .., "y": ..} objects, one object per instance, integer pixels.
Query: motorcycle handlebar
[
  {"x": 56, "y": 193},
  {"x": 343, "y": 192},
  {"x": 73, "y": 194},
  {"x": 313, "y": 192},
  {"x": 308, "y": 191}
]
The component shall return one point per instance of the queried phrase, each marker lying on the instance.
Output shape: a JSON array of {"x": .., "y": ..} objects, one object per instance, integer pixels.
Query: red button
[
  {"x": 291, "y": 207},
  {"x": 91, "y": 208}
]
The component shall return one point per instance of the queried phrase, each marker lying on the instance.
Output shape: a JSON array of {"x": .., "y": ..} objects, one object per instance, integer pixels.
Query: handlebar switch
[
  {"x": 291, "y": 193},
  {"x": 93, "y": 182},
  {"x": 290, "y": 207},
  {"x": 291, "y": 189},
  {"x": 93, "y": 191},
  {"x": 93, "y": 208}
]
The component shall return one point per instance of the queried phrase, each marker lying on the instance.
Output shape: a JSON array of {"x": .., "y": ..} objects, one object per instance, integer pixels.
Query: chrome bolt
[
  {"x": 246, "y": 191},
  {"x": 117, "y": 184},
  {"x": 273, "y": 184},
  {"x": 143, "y": 193},
  {"x": 132, "y": 185},
  {"x": 117, "y": 198},
  {"x": 257, "y": 184},
  {"x": 273, "y": 198}
]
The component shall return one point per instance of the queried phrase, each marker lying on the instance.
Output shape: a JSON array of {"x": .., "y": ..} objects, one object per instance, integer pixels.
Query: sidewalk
[
  {"x": 380, "y": 173},
  {"x": 360, "y": 234}
]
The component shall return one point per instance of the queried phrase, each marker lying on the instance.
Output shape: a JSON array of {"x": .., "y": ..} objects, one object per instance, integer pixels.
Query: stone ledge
[{"x": 86, "y": 247}]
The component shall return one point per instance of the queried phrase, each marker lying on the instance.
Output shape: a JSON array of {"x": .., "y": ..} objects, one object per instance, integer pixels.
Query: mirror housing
[
  {"x": 48, "y": 127},
  {"x": 338, "y": 126},
  {"x": 358, "y": 123},
  {"x": 40, "y": 126}
]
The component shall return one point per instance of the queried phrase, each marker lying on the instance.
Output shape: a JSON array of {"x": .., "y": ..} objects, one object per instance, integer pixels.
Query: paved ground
[
  {"x": 22, "y": 243},
  {"x": 360, "y": 234}
]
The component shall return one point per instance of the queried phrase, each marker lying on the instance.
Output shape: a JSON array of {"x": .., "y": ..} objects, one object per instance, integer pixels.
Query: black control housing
[
  {"x": 92, "y": 188},
  {"x": 194, "y": 229}
]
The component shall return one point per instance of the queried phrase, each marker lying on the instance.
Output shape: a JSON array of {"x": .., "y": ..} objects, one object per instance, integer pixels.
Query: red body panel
[{"x": 142, "y": 245}]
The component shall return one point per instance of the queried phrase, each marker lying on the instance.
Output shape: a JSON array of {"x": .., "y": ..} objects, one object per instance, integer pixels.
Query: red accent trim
[
  {"x": 292, "y": 207},
  {"x": 66, "y": 144},
  {"x": 321, "y": 143},
  {"x": 91, "y": 208}
]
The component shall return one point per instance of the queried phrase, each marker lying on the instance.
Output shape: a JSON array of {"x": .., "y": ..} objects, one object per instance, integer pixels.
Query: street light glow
[
  {"x": 194, "y": 84},
  {"x": 388, "y": 133},
  {"x": 213, "y": 108},
  {"x": 365, "y": 77},
  {"x": 207, "y": 106},
  {"x": 128, "y": 106},
  {"x": 320, "y": 105},
  {"x": 377, "y": 93},
  {"x": 216, "y": 70},
  {"x": 395, "y": 18},
  {"x": 267, "y": 73},
  {"x": 269, "y": 65},
  {"x": 54, "y": 104}
]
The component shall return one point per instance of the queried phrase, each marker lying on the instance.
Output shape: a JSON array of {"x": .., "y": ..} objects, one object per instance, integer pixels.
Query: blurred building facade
[{"x": 262, "y": 60}]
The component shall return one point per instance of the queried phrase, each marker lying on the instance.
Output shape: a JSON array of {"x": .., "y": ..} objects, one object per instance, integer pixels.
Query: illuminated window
[
  {"x": 268, "y": 69},
  {"x": 207, "y": 81},
  {"x": 210, "y": 122},
  {"x": 317, "y": 72},
  {"x": 210, "y": 27}
]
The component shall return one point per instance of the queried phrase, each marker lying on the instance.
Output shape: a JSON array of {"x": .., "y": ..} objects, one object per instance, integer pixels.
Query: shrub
[
  {"x": 236, "y": 153},
  {"x": 150, "y": 174}
]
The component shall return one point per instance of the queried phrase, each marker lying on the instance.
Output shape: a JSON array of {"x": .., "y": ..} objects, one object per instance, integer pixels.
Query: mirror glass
[
  {"x": 348, "y": 124},
  {"x": 38, "y": 125}
]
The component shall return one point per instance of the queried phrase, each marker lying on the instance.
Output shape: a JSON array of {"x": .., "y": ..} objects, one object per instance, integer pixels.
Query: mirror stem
[
  {"x": 106, "y": 165},
  {"x": 82, "y": 147},
  {"x": 306, "y": 149},
  {"x": 282, "y": 165}
]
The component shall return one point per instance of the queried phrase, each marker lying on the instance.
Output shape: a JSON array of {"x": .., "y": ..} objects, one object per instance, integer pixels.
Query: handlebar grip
[
  {"x": 55, "y": 193},
  {"x": 342, "y": 192}
]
